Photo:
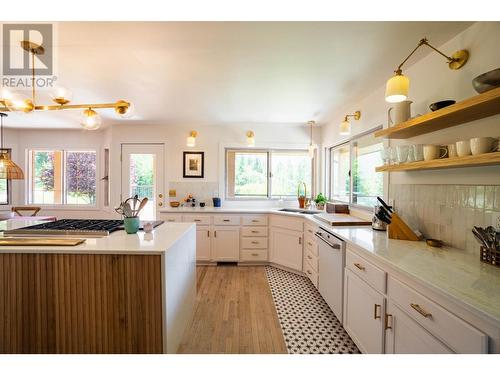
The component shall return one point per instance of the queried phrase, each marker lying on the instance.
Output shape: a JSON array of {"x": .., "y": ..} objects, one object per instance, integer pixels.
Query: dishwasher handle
[{"x": 332, "y": 245}]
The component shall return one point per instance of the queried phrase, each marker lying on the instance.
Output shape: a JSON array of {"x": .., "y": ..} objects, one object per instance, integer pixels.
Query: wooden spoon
[{"x": 141, "y": 206}]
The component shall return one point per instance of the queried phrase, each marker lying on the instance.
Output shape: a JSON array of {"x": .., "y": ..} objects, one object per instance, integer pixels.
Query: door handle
[
  {"x": 208, "y": 233},
  {"x": 300, "y": 240},
  {"x": 375, "y": 309},
  {"x": 215, "y": 233},
  {"x": 387, "y": 326}
]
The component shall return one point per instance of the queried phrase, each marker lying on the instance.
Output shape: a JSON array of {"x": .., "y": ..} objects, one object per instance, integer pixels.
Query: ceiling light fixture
[
  {"x": 398, "y": 86},
  {"x": 8, "y": 169},
  {"x": 311, "y": 147},
  {"x": 61, "y": 96},
  {"x": 191, "y": 140},
  {"x": 345, "y": 126},
  {"x": 250, "y": 138}
]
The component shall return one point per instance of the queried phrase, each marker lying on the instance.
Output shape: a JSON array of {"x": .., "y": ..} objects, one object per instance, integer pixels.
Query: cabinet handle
[
  {"x": 215, "y": 233},
  {"x": 420, "y": 310},
  {"x": 309, "y": 272},
  {"x": 197, "y": 220},
  {"x": 375, "y": 308},
  {"x": 387, "y": 326},
  {"x": 359, "y": 266},
  {"x": 171, "y": 220},
  {"x": 310, "y": 257},
  {"x": 255, "y": 254},
  {"x": 226, "y": 220},
  {"x": 208, "y": 233},
  {"x": 255, "y": 242},
  {"x": 310, "y": 244},
  {"x": 255, "y": 231},
  {"x": 255, "y": 221},
  {"x": 310, "y": 231},
  {"x": 300, "y": 240}
]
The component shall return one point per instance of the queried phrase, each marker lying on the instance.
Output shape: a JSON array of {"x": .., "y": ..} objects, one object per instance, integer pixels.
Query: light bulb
[
  {"x": 397, "y": 88},
  {"x": 61, "y": 95},
  {"x": 345, "y": 128},
  {"x": 124, "y": 109},
  {"x": 19, "y": 103},
  {"x": 90, "y": 119}
]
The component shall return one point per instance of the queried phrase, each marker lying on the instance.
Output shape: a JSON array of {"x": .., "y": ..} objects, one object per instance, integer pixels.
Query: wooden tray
[
  {"x": 341, "y": 220},
  {"x": 19, "y": 241}
]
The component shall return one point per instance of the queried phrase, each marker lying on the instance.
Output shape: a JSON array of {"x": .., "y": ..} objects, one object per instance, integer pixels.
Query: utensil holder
[
  {"x": 490, "y": 256},
  {"x": 131, "y": 224}
]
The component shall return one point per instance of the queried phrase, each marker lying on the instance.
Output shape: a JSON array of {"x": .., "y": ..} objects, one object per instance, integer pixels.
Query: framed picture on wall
[{"x": 193, "y": 164}]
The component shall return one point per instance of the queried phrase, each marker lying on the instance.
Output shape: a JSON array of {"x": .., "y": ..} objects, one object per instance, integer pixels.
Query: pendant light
[
  {"x": 250, "y": 138},
  {"x": 345, "y": 126},
  {"x": 8, "y": 169},
  {"x": 311, "y": 147},
  {"x": 397, "y": 87}
]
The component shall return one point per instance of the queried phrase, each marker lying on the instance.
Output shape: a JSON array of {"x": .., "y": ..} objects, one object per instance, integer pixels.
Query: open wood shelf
[
  {"x": 492, "y": 158},
  {"x": 475, "y": 108}
]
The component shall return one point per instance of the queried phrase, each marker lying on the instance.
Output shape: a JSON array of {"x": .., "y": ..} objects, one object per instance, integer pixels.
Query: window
[
  {"x": 63, "y": 177},
  {"x": 265, "y": 174},
  {"x": 352, "y": 171},
  {"x": 4, "y": 185}
]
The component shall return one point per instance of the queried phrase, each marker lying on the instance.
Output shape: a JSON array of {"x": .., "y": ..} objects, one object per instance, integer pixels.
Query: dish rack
[{"x": 490, "y": 256}]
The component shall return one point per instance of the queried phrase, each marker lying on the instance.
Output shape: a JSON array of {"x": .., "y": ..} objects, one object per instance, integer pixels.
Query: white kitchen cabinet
[
  {"x": 203, "y": 243},
  {"x": 403, "y": 335},
  {"x": 286, "y": 248},
  {"x": 363, "y": 312},
  {"x": 226, "y": 244}
]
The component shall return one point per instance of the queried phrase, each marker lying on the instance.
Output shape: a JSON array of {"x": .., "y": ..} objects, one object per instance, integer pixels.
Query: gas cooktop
[{"x": 69, "y": 227}]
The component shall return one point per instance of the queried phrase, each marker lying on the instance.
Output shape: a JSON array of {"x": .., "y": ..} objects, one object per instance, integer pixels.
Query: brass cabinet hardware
[
  {"x": 226, "y": 220},
  {"x": 310, "y": 257},
  {"x": 300, "y": 240},
  {"x": 375, "y": 308},
  {"x": 160, "y": 195},
  {"x": 160, "y": 204},
  {"x": 310, "y": 231},
  {"x": 255, "y": 242},
  {"x": 420, "y": 310},
  {"x": 215, "y": 233},
  {"x": 171, "y": 220},
  {"x": 309, "y": 272},
  {"x": 255, "y": 254},
  {"x": 387, "y": 326},
  {"x": 255, "y": 231},
  {"x": 197, "y": 220},
  {"x": 359, "y": 266},
  {"x": 310, "y": 244},
  {"x": 255, "y": 221},
  {"x": 208, "y": 233}
]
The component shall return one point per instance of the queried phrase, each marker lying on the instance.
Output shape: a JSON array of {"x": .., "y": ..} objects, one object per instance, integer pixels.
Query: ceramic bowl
[
  {"x": 487, "y": 81},
  {"x": 441, "y": 104},
  {"x": 174, "y": 204}
]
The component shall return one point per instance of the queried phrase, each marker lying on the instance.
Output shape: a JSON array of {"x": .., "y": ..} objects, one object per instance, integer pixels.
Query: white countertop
[{"x": 119, "y": 242}]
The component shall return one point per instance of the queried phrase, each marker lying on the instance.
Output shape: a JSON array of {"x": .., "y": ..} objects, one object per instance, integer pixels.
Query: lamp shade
[
  {"x": 396, "y": 89},
  {"x": 250, "y": 138},
  {"x": 345, "y": 128},
  {"x": 8, "y": 169}
]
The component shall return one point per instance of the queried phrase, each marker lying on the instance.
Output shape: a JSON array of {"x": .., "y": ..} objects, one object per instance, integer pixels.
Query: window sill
[{"x": 65, "y": 207}]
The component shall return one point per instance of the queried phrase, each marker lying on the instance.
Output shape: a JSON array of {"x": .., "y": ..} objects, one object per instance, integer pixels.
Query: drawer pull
[
  {"x": 310, "y": 231},
  {"x": 309, "y": 272},
  {"x": 255, "y": 242},
  {"x": 310, "y": 244},
  {"x": 359, "y": 266},
  {"x": 300, "y": 240},
  {"x": 375, "y": 309},
  {"x": 255, "y": 221},
  {"x": 387, "y": 326},
  {"x": 420, "y": 310},
  {"x": 309, "y": 257},
  {"x": 255, "y": 231},
  {"x": 208, "y": 233},
  {"x": 226, "y": 220},
  {"x": 255, "y": 254},
  {"x": 197, "y": 220},
  {"x": 171, "y": 220}
]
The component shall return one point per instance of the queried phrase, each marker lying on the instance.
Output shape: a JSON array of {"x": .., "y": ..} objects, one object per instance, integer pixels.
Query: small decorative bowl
[
  {"x": 175, "y": 204},
  {"x": 487, "y": 81},
  {"x": 441, "y": 104},
  {"x": 433, "y": 242}
]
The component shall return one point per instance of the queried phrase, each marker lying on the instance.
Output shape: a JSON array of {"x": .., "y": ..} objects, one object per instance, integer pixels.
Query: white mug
[
  {"x": 402, "y": 112},
  {"x": 432, "y": 152},
  {"x": 463, "y": 148},
  {"x": 452, "y": 150},
  {"x": 418, "y": 152},
  {"x": 483, "y": 145}
]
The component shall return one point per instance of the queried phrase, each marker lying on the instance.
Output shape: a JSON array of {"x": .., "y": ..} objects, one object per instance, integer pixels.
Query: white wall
[{"x": 431, "y": 80}]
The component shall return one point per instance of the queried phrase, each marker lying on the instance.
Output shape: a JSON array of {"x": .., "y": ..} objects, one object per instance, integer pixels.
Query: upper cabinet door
[
  {"x": 286, "y": 248},
  {"x": 226, "y": 244},
  {"x": 403, "y": 335},
  {"x": 363, "y": 314}
]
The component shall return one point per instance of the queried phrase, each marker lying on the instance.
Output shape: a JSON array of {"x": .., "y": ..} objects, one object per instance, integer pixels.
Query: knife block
[{"x": 399, "y": 230}]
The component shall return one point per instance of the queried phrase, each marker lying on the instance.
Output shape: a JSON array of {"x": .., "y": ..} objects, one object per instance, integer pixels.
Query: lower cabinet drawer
[
  {"x": 254, "y": 232},
  {"x": 171, "y": 218},
  {"x": 254, "y": 243},
  {"x": 453, "y": 331},
  {"x": 202, "y": 220},
  {"x": 310, "y": 244},
  {"x": 253, "y": 255},
  {"x": 226, "y": 220},
  {"x": 311, "y": 274},
  {"x": 312, "y": 260},
  {"x": 370, "y": 273},
  {"x": 254, "y": 220}
]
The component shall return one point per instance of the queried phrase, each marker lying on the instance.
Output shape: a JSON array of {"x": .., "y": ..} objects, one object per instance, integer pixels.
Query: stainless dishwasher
[{"x": 331, "y": 270}]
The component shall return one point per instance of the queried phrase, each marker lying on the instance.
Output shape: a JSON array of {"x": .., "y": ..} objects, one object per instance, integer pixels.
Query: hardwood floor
[{"x": 234, "y": 313}]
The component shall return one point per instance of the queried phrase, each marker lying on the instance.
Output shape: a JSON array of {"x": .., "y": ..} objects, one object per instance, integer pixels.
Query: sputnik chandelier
[{"x": 91, "y": 120}]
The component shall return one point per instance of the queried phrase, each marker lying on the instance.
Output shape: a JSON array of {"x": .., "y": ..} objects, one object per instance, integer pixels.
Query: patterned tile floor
[{"x": 309, "y": 326}]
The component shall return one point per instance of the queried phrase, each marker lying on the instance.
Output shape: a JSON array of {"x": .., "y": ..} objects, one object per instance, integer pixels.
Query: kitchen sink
[{"x": 300, "y": 211}]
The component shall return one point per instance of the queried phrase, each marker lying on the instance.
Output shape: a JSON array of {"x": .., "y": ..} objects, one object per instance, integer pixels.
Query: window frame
[
  {"x": 62, "y": 206},
  {"x": 269, "y": 152},
  {"x": 350, "y": 142},
  {"x": 9, "y": 182}
]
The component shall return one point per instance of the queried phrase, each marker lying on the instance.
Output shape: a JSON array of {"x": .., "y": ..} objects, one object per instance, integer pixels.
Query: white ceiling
[{"x": 228, "y": 72}]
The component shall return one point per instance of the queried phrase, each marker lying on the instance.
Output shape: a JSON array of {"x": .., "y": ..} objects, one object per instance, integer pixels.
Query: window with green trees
[
  {"x": 267, "y": 174},
  {"x": 352, "y": 171}
]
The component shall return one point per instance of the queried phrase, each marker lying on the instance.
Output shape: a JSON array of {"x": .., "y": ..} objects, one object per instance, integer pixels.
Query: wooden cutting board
[
  {"x": 338, "y": 220},
  {"x": 41, "y": 241}
]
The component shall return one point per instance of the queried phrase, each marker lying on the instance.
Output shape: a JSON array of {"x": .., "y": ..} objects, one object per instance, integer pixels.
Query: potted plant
[{"x": 320, "y": 201}]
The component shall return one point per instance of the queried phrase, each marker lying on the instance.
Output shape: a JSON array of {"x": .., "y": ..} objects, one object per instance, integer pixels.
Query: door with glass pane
[{"x": 143, "y": 174}]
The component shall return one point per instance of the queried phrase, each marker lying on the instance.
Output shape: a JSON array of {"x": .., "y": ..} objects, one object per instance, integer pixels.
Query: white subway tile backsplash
[{"x": 447, "y": 212}]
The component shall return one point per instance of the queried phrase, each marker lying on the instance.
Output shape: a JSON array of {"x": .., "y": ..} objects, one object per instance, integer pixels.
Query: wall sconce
[
  {"x": 191, "y": 140},
  {"x": 312, "y": 147},
  {"x": 345, "y": 126},
  {"x": 398, "y": 86},
  {"x": 250, "y": 138}
]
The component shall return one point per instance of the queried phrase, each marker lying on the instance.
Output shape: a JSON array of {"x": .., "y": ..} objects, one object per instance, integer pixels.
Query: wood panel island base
[{"x": 119, "y": 294}]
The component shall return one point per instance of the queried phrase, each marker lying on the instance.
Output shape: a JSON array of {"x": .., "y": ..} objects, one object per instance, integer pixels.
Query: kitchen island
[{"x": 125, "y": 293}]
